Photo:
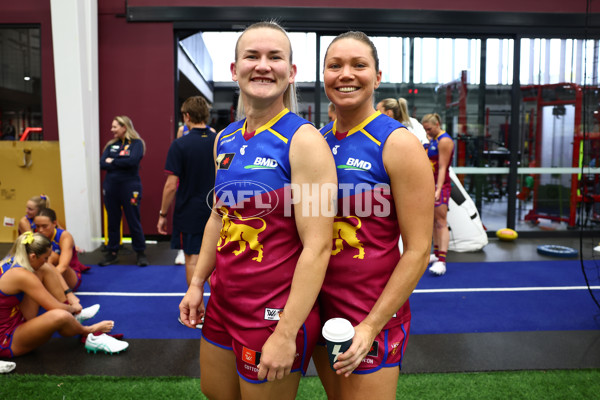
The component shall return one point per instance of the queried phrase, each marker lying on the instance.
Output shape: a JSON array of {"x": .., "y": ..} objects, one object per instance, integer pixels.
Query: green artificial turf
[{"x": 554, "y": 384}]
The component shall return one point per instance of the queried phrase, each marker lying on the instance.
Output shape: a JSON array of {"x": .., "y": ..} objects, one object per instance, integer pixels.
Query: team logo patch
[
  {"x": 374, "y": 349},
  {"x": 395, "y": 347},
  {"x": 250, "y": 356},
  {"x": 224, "y": 160},
  {"x": 272, "y": 314}
]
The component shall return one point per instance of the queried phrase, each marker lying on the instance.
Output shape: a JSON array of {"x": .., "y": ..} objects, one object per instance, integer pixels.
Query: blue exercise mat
[{"x": 470, "y": 297}]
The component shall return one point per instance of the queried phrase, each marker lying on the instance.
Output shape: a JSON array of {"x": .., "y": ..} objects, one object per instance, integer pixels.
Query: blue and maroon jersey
[
  {"x": 33, "y": 225},
  {"x": 259, "y": 244},
  {"x": 10, "y": 312},
  {"x": 434, "y": 156},
  {"x": 75, "y": 264},
  {"x": 55, "y": 241},
  {"x": 365, "y": 233}
]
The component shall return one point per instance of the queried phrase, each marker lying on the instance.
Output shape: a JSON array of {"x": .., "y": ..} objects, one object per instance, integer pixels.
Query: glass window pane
[{"x": 20, "y": 83}]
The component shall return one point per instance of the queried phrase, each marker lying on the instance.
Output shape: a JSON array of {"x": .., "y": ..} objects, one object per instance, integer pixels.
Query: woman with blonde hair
[
  {"x": 261, "y": 322},
  {"x": 33, "y": 207},
  {"x": 123, "y": 188},
  {"x": 440, "y": 152},
  {"x": 26, "y": 282},
  {"x": 398, "y": 109}
]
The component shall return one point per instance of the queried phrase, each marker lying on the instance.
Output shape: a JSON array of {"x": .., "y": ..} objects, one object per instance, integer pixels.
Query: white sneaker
[
  {"x": 438, "y": 268},
  {"x": 180, "y": 259},
  {"x": 87, "y": 313},
  {"x": 105, "y": 343},
  {"x": 432, "y": 258},
  {"x": 7, "y": 366}
]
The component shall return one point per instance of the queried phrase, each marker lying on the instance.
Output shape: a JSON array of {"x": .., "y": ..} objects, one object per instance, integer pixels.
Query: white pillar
[{"x": 75, "y": 45}]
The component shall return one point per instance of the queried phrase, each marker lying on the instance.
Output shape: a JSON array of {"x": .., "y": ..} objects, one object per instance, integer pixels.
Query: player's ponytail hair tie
[
  {"x": 43, "y": 197},
  {"x": 27, "y": 238}
]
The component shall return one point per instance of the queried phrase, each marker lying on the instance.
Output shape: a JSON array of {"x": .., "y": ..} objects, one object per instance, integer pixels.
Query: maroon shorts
[
  {"x": 6, "y": 338},
  {"x": 444, "y": 195},
  {"x": 247, "y": 344}
]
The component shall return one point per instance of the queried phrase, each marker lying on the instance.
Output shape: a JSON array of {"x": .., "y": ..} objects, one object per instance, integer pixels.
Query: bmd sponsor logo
[
  {"x": 354, "y": 164},
  {"x": 263, "y": 163}
]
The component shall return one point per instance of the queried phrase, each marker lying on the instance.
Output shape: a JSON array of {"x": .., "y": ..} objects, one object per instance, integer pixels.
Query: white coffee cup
[{"x": 338, "y": 333}]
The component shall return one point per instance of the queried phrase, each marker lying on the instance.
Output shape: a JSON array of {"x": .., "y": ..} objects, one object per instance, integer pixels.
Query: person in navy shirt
[
  {"x": 190, "y": 169},
  {"x": 123, "y": 188}
]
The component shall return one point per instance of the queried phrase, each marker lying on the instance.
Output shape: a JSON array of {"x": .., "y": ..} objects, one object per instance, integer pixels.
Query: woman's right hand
[
  {"x": 191, "y": 308},
  {"x": 75, "y": 308}
]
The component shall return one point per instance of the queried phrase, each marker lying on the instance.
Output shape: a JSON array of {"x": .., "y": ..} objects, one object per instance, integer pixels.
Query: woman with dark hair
[
  {"x": 64, "y": 254},
  {"x": 385, "y": 188},
  {"x": 123, "y": 188},
  {"x": 25, "y": 285}
]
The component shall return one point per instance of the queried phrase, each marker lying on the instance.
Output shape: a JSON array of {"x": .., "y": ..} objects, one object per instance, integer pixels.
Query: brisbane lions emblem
[
  {"x": 345, "y": 232},
  {"x": 241, "y": 232}
]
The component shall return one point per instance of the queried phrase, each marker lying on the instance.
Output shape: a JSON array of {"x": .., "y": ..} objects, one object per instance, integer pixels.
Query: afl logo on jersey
[{"x": 224, "y": 160}]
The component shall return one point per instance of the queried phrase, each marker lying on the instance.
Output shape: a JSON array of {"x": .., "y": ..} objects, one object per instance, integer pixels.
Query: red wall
[
  {"x": 136, "y": 78},
  {"x": 550, "y": 6}
]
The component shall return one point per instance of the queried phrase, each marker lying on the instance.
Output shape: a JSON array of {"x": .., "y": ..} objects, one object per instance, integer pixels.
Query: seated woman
[
  {"x": 22, "y": 292},
  {"x": 64, "y": 255},
  {"x": 33, "y": 207}
]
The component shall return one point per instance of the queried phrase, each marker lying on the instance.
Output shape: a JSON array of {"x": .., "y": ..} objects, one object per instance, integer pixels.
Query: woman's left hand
[
  {"x": 108, "y": 160},
  {"x": 277, "y": 357},
  {"x": 361, "y": 345}
]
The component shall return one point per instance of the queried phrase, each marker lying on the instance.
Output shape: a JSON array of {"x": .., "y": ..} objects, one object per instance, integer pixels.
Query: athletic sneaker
[
  {"x": 7, "y": 366},
  {"x": 87, "y": 313},
  {"x": 438, "y": 268},
  {"x": 180, "y": 259},
  {"x": 83, "y": 338},
  {"x": 105, "y": 343},
  {"x": 433, "y": 258}
]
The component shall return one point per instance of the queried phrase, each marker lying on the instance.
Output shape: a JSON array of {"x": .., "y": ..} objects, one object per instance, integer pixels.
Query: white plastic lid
[{"x": 338, "y": 330}]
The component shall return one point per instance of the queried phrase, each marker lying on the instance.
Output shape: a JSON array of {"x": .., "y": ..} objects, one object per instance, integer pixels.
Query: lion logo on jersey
[
  {"x": 241, "y": 233},
  {"x": 345, "y": 232}
]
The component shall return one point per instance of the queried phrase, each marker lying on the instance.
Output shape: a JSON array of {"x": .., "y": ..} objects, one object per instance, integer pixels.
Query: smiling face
[
  {"x": 118, "y": 130},
  {"x": 350, "y": 74},
  {"x": 31, "y": 209},
  {"x": 45, "y": 226},
  {"x": 262, "y": 67},
  {"x": 37, "y": 261}
]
